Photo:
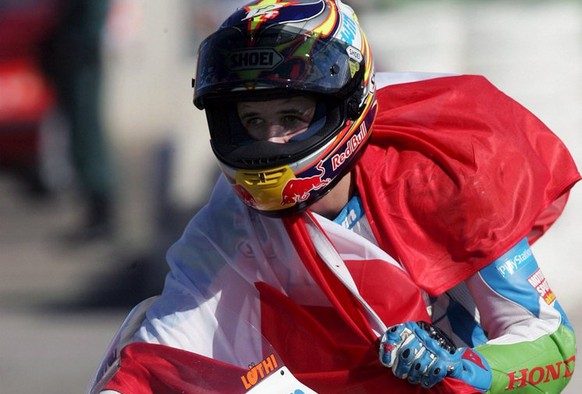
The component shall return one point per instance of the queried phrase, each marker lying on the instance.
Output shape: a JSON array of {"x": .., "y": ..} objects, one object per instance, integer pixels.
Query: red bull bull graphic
[{"x": 299, "y": 189}]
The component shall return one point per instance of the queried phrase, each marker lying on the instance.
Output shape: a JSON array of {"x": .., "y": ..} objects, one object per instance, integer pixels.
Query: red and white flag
[{"x": 455, "y": 174}]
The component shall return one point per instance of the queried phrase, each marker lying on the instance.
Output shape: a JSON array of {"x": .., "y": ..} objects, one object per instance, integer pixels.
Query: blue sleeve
[{"x": 531, "y": 344}]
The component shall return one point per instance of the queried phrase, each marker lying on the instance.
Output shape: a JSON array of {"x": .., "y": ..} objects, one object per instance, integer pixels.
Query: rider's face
[{"x": 277, "y": 120}]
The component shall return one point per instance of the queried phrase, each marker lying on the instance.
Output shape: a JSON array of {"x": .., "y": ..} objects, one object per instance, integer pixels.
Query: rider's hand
[{"x": 424, "y": 355}]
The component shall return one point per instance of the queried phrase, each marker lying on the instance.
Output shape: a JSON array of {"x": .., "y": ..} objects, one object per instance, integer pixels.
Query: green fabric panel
[{"x": 541, "y": 366}]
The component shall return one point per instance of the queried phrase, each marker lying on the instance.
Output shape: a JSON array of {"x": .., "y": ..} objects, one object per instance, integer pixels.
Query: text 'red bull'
[{"x": 352, "y": 146}]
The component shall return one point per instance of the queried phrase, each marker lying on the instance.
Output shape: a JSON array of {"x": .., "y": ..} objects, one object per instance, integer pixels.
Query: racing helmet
[{"x": 272, "y": 49}]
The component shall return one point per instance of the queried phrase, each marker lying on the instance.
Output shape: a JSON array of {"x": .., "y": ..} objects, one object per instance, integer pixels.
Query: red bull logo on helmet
[
  {"x": 299, "y": 189},
  {"x": 352, "y": 146}
]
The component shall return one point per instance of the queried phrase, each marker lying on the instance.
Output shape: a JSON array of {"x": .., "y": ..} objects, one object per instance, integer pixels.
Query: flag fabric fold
[{"x": 461, "y": 173}]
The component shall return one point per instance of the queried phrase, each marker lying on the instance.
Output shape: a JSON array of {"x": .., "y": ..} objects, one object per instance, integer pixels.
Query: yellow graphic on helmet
[
  {"x": 262, "y": 189},
  {"x": 279, "y": 188}
]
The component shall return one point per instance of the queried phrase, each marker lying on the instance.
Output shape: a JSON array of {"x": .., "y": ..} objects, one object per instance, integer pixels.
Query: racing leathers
[{"x": 455, "y": 183}]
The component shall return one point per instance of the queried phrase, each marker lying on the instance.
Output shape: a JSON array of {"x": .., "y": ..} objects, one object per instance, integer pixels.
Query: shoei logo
[
  {"x": 355, "y": 54},
  {"x": 254, "y": 59}
]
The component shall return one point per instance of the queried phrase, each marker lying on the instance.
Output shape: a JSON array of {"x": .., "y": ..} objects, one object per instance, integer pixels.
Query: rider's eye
[{"x": 292, "y": 121}]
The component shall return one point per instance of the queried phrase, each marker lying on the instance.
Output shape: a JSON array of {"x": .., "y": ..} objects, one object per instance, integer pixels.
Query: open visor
[{"x": 279, "y": 57}]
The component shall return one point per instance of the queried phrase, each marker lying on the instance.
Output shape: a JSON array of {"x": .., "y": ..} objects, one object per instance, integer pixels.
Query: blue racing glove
[{"x": 424, "y": 355}]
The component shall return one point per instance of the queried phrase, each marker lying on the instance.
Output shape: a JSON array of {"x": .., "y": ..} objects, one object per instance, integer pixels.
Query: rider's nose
[{"x": 276, "y": 133}]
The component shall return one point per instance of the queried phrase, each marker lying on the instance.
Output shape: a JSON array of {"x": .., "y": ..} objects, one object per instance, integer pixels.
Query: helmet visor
[
  {"x": 280, "y": 57},
  {"x": 233, "y": 145}
]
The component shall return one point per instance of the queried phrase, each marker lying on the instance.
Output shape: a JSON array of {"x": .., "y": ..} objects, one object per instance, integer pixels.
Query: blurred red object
[
  {"x": 26, "y": 96},
  {"x": 25, "y": 99}
]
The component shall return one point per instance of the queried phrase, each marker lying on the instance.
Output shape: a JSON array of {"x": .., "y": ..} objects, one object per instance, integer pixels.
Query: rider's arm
[
  {"x": 527, "y": 344},
  {"x": 531, "y": 342}
]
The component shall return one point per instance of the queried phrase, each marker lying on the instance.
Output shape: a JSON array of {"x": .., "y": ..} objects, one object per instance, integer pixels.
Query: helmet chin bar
[
  {"x": 278, "y": 210},
  {"x": 298, "y": 207}
]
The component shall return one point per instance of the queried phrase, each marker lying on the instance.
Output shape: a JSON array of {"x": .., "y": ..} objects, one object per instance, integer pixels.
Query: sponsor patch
[
  {"x": 258, "y": 372},
  {"x": 538, "y": 281},
  {"x": 513, "y": 264},
  {"x": 540, "y": 374}
]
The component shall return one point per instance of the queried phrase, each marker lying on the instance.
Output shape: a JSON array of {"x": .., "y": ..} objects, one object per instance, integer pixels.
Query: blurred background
[{"x": 103, "y": 158}]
